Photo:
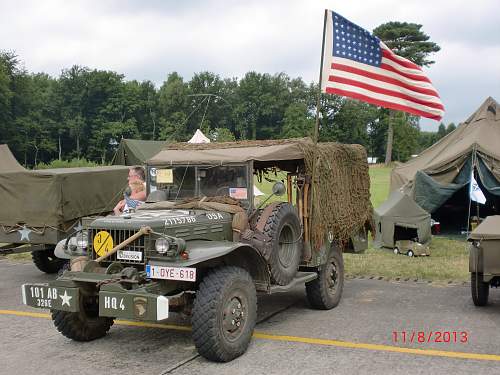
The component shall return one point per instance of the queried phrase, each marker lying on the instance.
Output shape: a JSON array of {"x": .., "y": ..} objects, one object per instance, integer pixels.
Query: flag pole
[
  {"x": 308, "y": 244},
  {"x": 318, "y": 102}
]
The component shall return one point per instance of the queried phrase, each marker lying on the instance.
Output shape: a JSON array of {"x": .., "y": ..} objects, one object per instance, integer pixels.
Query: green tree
[
  {"x": 451, "y": 127},
  {"x": 296, "y": 122},
  {"x": 221, "y": 135},
  {"x": 409, "y": 41},
  {"x": 441, "y": 131}
]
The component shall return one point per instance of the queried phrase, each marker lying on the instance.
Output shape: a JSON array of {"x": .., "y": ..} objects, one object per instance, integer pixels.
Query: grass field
[{"x": 448, "y": 260}]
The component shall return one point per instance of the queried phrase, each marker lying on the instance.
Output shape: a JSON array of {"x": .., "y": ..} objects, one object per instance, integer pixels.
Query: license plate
[
  {"x": 171, "y": 273},
  {"x": 48, "y": 297},
  {"x": 129, "y": 255}
]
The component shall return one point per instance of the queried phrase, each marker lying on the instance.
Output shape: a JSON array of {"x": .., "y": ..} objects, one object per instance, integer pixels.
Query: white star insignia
[
  {"x": 25, "y": 233},
  {"x": 65, "y": 299},
  {"x": 79, "y": 227}
]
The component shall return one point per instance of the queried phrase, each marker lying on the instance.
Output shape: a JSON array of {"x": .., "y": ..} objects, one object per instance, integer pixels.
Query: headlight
[
  {"x": 82, "y": 241},
  {"x": 162, "y": 245},
  {"x": 77, "y": 245}
]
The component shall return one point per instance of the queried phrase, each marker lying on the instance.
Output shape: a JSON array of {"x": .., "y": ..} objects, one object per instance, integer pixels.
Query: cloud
[{"x": 148, "y": 40}]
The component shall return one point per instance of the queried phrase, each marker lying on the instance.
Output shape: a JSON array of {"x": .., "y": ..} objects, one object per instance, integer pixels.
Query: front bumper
[{"x": 116, "y": 304}]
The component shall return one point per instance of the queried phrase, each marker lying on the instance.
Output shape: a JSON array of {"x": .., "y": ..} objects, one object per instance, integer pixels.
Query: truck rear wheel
[
  {"x": 224, "y": 314},
  {"x": 324, "y": 293},
  {"x": 85, "y": 325},
  {"x": 284, "y": 230},
  {"x": 480, "y": 290},
  {"x": 46, "y": 261}
]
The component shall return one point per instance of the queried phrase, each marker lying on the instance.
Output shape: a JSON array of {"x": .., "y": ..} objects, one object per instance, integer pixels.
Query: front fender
[{"x": 207, "y": 253}]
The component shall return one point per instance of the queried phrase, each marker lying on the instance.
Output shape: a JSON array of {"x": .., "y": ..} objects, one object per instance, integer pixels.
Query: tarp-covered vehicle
[
  {"x": 136, "y": 151},
  {"x": 484, "y": 259},
  {"x": 203, "y": 247},
  {"x": 42, "y": 207}
]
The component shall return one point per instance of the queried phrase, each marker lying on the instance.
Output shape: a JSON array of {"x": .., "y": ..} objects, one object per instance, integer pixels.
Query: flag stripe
[
  {"x": 384, "y": 97},
  {"x": 384, "y": 78},
  {"x": 384, "y": 91},
  {"x": 387, "y": 86},
  {"x": 401, "y": 68},
  {"x": 382, "y": 103},
  {"x": 404, "y": 74},
  {"x": 401, "y": 61},
  {"x": 384, "y": 72}
]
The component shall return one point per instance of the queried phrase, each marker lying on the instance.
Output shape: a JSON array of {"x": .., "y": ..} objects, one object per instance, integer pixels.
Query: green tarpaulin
[
  {"x": 136, "y": 151},
  {"x": 53, "y": 197}
]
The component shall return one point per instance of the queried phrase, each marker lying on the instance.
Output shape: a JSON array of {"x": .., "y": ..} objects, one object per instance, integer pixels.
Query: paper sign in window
[
  {"x": 238, "y": 193},
  {"x": 164, "y": 176}
]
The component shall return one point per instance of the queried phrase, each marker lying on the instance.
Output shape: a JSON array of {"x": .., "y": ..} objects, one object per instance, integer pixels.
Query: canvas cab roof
[{"x": 231, "y": 152}]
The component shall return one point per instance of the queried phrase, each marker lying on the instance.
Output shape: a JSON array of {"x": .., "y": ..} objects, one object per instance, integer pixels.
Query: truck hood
[{"x": 160, "y": 219}]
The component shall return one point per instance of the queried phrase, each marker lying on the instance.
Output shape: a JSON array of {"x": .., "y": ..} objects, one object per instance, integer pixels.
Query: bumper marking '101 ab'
[{"x": 44, "y": 296}]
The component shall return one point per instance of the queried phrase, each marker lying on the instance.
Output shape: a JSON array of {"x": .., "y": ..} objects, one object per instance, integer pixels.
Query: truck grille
[{"x": 118, "y": 237}]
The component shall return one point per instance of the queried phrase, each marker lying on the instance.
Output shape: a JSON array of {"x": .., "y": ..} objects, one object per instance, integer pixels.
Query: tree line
[{"x": 84, "y": 112}]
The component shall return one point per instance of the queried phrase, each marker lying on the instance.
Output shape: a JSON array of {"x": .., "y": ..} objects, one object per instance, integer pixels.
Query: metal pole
[{"x": 318, "y": 102}]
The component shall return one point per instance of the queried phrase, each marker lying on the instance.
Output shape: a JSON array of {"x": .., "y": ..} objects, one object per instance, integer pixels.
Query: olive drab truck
[
  {"x": 484, "y": 259},
  {"x": 204, "y": 245}
]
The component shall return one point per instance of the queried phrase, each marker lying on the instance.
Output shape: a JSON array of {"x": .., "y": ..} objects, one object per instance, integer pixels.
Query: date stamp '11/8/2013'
[{"x": 421, "y": 337}]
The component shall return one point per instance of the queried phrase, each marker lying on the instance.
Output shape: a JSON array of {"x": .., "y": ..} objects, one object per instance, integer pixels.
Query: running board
[{"x": 300, "y": 278}]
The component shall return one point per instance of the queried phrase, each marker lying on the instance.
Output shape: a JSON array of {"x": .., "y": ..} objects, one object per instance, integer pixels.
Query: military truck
[
  {"x": 42, "y": 207},
  {"x": 204, "y": 246},
  {"x": 484, "y": 259}
]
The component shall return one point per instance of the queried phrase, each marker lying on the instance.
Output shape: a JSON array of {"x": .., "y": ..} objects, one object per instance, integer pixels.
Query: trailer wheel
[
  {"x": 324, "y": 292},
  {"x": 224, "y": 314},
  {"x": 46, "y": 261},
  {"x": 480, "y": 290},
  {"x": 85, "y": 325}
]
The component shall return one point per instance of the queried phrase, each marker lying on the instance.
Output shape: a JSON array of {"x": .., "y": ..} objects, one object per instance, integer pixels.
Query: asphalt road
[{"x": 354, "y": 338}]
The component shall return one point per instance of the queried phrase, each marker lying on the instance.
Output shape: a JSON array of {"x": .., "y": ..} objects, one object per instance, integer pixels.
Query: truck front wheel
[
  {"x": 224, "y": 314},
  {"x": 85, "y": 325},
  {"x": 46, "y": 261}
]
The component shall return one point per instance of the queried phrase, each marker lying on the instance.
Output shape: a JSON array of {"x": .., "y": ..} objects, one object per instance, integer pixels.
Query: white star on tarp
[
  {"x": 65, "y": 298},
  {"x": 79, "y": 227},
  {"x": 25, "y": 233}
]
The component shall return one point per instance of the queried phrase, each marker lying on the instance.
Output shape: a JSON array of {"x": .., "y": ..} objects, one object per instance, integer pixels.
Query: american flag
[
  {"x": 358, "y": 65},
  {"x": 131, "y": 204}
]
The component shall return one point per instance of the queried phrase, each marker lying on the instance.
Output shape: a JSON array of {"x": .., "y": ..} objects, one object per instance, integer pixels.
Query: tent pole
[{"x": 473, "y": 163}]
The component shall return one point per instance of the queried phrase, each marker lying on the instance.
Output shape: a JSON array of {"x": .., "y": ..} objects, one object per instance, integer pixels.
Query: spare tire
[{"x": 283, "y": 229}]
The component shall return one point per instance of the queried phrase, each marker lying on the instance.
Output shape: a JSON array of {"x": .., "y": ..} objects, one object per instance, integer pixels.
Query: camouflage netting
[
  {"x": 341, "y": 186},
  {"x": 235, "y": 144},
  {"x": 341, "y": 190}
]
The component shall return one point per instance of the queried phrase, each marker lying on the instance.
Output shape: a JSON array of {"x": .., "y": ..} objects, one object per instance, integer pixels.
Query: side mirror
[{"x": 279, "y": 188}]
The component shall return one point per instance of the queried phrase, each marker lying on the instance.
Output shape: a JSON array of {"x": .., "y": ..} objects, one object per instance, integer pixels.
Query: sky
[{"x": 147, "y": 40}]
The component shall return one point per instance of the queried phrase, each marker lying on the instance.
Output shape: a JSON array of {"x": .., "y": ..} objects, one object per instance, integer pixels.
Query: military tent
[
  {"x": 136, "y": 151},
  {"x": 400, "y": 218},
  {"x": 8, "y": 162},
  {"x": 199, "y": 137},
  {"x": 438, "y": 179}
]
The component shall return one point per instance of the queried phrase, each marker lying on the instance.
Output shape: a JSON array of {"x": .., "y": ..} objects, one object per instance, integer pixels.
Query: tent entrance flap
[{"x": 430, "y": 194}]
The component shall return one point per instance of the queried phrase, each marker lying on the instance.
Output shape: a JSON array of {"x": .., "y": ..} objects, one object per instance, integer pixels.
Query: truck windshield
[{"x": 181, "y": 182}]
